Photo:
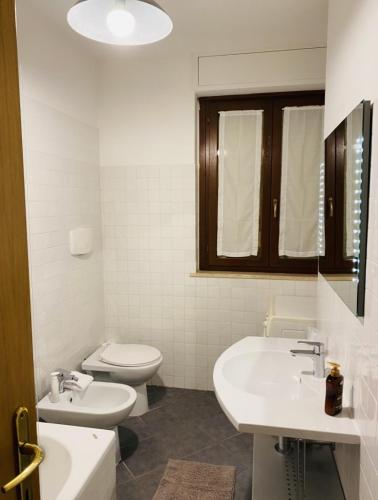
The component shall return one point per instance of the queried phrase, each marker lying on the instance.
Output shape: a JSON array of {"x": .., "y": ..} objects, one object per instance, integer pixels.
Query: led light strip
[
  {"x": 321, "y": 236},
  {"x": 358, "y": 149}
]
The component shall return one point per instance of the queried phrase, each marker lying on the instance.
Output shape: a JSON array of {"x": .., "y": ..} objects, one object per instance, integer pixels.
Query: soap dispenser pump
[{"x": 334, "y": 390}]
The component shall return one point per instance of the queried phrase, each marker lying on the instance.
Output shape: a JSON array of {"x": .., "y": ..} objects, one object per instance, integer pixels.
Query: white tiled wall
[
  {"x": 148, "y": 210},
  {"x": 63, "y": 192},
  {"x": 352, "y": 42},
  {"x": 147, "y": 121},
  {"x": 354, "y": 343},
  {"x": 149, "y": 253},
  {"x": 62, "y": 175},
  {"x": 355, "y": 346}
]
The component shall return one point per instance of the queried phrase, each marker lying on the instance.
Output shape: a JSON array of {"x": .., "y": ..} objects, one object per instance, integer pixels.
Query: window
[{"x": 260, "y": 160}]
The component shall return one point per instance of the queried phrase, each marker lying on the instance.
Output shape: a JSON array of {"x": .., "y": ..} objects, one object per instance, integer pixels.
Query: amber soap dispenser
[{"x": 334, "y": 390}]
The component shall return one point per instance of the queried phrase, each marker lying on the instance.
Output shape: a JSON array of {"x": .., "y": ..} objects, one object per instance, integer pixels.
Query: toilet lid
[{"x": 129, "y": 354}]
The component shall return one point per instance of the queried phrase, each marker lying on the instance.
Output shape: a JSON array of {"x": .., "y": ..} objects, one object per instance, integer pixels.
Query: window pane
[
  {"x": 302, "y": 157},
  {"x": 239, "y": 182}
]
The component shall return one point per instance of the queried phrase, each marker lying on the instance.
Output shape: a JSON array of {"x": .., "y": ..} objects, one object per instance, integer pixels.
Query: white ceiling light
[{"x": 120, "y": 22}]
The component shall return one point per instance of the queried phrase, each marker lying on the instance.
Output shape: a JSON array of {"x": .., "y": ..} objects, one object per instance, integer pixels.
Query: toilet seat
[
  {"x": 129, "y": 355},
  {"x": 130, "y": 364}
]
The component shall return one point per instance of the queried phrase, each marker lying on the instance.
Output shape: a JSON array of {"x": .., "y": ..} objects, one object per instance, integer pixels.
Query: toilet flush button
[{"x": 81, "y": 241}]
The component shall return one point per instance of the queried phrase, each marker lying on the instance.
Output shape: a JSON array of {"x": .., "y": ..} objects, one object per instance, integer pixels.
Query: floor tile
[
  {"x": 137, "y": 425},
  {"x": 218, "y": 455},
  {"x": 184, "y": 424},
  {"x": 218, "y": 427},
  {"x": 240, "y": 443},
  {"x": 123, "y": 475},
  {"x": 128, "y": 441},
  {"x": 160, "y": 419},
  {"x": 176, "y": 443},
  {"x": 159, "y": 396},
  {"x": 151, "y": 453},
  {"x": 240, "y": 448},
  {"x": 186, "y": 440},
  {"x": 243, "y": 486},
  {"x": 143, "y": 488}
]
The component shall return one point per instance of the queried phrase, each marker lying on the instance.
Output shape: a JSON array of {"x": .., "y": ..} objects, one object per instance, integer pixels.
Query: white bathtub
[{"x": 79, "y": 463}]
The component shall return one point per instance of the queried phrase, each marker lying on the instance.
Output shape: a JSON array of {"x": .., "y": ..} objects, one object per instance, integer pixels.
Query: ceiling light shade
[{"x": 120, "y": 22}]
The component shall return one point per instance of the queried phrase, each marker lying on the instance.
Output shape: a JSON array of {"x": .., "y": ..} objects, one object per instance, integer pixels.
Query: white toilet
[{"x": 132, "y": 364}]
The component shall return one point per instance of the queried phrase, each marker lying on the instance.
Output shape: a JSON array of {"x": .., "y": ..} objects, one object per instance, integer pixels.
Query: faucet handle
[
  {"x": 318, "y": 346},
  {"x": 66, "y": 374}
]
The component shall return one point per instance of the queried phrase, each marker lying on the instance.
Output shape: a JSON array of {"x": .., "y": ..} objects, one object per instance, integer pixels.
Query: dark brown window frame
[
  {"x": 334, "y": 261},
  {"x": 267, "y": 261}
]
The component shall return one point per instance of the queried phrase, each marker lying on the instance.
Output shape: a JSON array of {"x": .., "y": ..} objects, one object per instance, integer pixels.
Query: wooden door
[{"x": 16, "y": 358}]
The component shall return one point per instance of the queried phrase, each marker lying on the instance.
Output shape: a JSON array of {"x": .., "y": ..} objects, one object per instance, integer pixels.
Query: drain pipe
[{"x": 283, "y": 445}]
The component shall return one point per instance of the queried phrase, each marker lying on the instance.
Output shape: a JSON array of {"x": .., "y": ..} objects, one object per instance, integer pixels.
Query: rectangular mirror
[{"x": 343, "y": 207}]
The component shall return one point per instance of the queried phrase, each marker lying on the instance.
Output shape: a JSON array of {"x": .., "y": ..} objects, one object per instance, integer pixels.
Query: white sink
[
  {"x": 270, "y": 374},
  {"x": 102, "y": 404},
  {"x": 263, "y": 389}
]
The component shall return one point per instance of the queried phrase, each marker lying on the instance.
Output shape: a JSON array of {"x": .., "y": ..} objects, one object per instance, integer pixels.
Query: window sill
[
  {"x": 338, "y": 277},
  {"x": 254, "y": 276}
]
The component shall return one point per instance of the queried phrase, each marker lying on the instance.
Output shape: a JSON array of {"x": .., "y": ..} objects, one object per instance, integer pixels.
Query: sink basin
[
  {"x": 101, "y": 405},
  {"x": 263, "y": 389},
  {"x": 269, "y": 374}
]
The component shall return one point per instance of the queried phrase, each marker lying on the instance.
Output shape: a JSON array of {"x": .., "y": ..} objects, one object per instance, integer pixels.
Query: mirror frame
[
  {"x": 359, "y": 310},
  {"x": 365, "y": 195}
]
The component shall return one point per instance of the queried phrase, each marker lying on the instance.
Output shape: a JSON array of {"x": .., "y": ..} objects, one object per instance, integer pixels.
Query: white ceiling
[{"x": 216, "y": 26}]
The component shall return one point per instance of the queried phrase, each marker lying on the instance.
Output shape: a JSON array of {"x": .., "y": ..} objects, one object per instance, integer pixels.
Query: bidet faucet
[
  {"x": 63, "y": 376},
  {"x": 316, "y": 354}
]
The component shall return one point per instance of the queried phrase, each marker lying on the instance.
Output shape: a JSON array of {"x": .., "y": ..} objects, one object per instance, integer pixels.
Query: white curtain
[
  {"x": 302, "y": 155},
  {"x": 352, "y": 176},
  {"x": 239, "y": 173}
]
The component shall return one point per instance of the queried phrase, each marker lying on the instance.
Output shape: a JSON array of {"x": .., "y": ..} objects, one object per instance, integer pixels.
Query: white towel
[{"x": 80, "y": 384}]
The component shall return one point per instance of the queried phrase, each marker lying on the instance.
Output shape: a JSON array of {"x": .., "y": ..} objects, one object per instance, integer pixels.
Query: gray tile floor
[{"x": 183, "y": 424}]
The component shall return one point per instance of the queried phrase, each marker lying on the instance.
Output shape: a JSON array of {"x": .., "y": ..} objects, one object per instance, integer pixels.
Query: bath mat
[{"x": 185, "y": 480}]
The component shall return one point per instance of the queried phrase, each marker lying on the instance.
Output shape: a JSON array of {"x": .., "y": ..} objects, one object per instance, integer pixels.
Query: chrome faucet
[
  {"x": 63, "y": 376},
  {"x": 316, "y": 354}
]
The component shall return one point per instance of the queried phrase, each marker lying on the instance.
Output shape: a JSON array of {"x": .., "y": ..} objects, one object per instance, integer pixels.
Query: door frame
[{"x": 16, "y": 350}]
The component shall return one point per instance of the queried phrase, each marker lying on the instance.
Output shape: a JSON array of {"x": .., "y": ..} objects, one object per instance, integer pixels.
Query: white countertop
[{"x": 252, "y": 410}]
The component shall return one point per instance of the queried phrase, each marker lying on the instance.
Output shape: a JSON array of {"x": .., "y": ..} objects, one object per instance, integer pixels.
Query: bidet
[{"x": 102, "y": 404}]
